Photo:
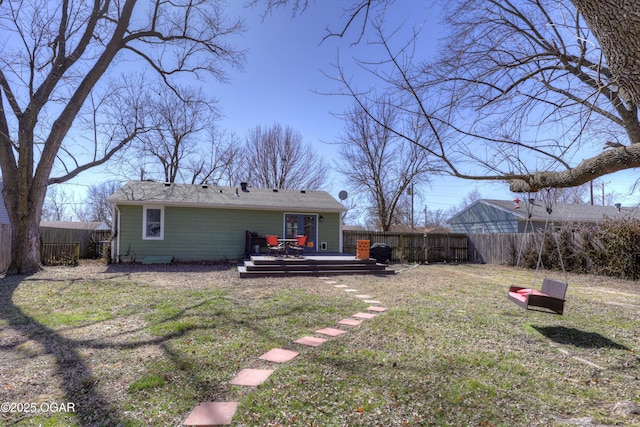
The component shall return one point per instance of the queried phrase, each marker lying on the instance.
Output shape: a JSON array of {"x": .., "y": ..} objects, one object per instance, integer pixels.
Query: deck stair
[{"x": 268, "y": 266}]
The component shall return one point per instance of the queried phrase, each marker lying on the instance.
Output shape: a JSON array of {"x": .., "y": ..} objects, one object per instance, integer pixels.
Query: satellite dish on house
[{"x": 343, "y": 195}]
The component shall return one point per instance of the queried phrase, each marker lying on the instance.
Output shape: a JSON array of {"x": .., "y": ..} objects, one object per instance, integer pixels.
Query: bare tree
[
  {"x": 436, "y": 218},
  {"x": 217, "y": 161},
  {"x": 96, "y": 208},
  {"x": 615, "y": 24},
  {"x": 179, "y": 118},
  {"x": 57, "y": 205},
  {"x": 277, "y": 157},
  {"x": 54, "y": 60},
  {"x": 377, "y": 163},
  {"x": 528, "y": 90}
]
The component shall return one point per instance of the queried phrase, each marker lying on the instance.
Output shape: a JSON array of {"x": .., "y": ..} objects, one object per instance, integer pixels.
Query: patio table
[{"x": 287, "y": 243}]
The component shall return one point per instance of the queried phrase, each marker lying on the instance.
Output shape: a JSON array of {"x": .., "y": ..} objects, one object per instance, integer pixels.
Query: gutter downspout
[
  {"x": 341, "y": 234},
  {"x": 115, "y": 251}
]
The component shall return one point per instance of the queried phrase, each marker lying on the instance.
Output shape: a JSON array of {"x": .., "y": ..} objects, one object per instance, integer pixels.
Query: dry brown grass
[{"x": 134, "y": 345}]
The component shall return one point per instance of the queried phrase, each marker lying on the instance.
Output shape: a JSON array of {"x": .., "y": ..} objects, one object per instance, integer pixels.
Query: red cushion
[{"x": 525, "y": 292}]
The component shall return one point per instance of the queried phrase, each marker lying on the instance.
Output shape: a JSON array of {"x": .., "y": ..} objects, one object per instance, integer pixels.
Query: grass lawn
[{"x": 142, "y": 345}]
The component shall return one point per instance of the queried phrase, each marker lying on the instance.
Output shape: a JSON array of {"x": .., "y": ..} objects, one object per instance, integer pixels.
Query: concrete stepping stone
[
  {"x": 365, "y": 315},
  {"x": 377, "y": 309},
  {"x": 332, "y": 332},
  {"x": 212, "y": 414},
  {"x": 310, "y": 341},
  {"x": 330, "y": 282},
  {"x": 372, "y": 301},
  {"x": 363, "y": 296},
  {"x": 251, "y": 377},
  {"x": 351, "y": 290},
  {"x": 279, "y": 355},
  {"x": 350, "y": 322},
  {"x": 340, "y": 286}
]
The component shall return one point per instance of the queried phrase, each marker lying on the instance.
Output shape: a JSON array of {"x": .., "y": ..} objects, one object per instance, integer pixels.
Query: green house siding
[
  {"x": 208, "y": 233},
  {"x": 329, "y": 231}
]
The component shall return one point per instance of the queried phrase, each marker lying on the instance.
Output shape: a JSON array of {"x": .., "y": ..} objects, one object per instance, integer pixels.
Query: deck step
[
  {"x": 261, "y": 266},
  {"x": 280, "y": 273},
  {"x": 251, "y": 266}
]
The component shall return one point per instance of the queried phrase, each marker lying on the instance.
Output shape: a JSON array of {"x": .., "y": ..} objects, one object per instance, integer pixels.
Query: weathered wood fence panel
[
  {"x": 60, "y": 253},
  {"x": 498, "y": 248},
  {"x": 412, "y": 247},
  {"x": 89, "y": 240},
  {"x": 5, "y": 246}
]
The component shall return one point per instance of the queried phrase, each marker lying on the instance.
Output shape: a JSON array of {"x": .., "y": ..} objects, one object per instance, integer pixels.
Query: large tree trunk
[
  {"x": 24, "y": 198},
  {"x": 25, "y": 245},
  {"x": 616, "y": 25}
]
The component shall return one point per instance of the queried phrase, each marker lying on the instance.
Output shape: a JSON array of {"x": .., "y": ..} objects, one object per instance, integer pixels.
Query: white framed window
[
  {"x": 152, "y": 223},
  {"x": 478, "y": 229}
]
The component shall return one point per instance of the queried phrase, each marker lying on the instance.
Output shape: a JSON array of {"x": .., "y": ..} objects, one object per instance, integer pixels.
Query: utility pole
[
  {"x": 425, "y": 216},
  {"x": 412, "y": 223}
]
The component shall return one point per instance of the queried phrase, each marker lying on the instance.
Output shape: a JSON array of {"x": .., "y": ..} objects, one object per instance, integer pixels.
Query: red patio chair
[
  {"x": 299, "y": 245},
  {"x": 273, "y": 245}
]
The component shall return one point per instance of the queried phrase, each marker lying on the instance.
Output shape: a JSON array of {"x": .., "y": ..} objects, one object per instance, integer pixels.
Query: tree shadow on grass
[
  {"x": 70, "y": 371},
  {"x": 77, "y": 380},
  {"x": 70, "y": 375},
  {"x": 577, "y": 338}
]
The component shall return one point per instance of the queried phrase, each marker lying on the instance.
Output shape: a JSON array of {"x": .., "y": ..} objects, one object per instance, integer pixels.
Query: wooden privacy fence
[
  {"x": 412, "y": 247},
  {"x": 60, "y": 253},
  {"x": 500, "y": 248},
  {"x": 89, "y": 240},
  {"x": 58, "y": 246},
  {"x": 5, "y": 246}
]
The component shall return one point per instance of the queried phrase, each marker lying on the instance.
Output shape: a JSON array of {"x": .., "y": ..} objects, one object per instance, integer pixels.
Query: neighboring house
[
  {"x": 4, "y": 215},
  {"x": 200, "y": 222},
  {"x": 503, "y": 216},
  {"x": 421, "y": 230}
]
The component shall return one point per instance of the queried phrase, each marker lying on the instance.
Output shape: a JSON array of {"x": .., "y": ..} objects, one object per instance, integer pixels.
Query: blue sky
[
  {"x": 285, "y": 77},
  {"x": 285, "y": 81}
]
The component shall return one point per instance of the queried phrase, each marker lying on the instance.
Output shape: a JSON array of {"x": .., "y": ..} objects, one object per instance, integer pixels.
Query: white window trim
[{"x": 144, "y": 223}]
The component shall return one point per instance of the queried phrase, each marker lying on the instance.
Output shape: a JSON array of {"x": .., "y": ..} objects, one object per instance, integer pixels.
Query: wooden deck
[{"x": 312, "y": 265}]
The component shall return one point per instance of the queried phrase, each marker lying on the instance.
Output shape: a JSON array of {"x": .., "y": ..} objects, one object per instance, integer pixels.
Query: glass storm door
[{"x": 296, "y": 224}]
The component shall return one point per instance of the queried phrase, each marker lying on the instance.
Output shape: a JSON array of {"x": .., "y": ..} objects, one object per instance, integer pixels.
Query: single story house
[
  {"x": 505, "y": 216},
  {"x": 210, "y": 222}
]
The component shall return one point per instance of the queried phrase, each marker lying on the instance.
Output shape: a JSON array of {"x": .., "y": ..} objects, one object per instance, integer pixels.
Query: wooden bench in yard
[{"x": 551, "y": 296}]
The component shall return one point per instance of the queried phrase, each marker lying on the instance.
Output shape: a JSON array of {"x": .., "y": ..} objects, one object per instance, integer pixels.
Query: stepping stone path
[
  {"x": 332, "y": 332},
  {"x": 212, "y": 414},
  {"x": 221, "y": 413},
  {"x": 350, "y": 322},
  {"x": 279, "y": 355},
  {"x": 251, "y": 377},
  {"x": 310, "y": 341}
]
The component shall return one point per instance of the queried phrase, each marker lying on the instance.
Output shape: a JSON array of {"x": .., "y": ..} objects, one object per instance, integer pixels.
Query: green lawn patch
[{"x": 137, "y": 346}]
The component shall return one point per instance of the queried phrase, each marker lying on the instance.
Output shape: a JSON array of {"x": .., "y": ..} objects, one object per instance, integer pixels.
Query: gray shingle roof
[
  {"x": 145, "y": 192},
  {"x": 565, "y": 212},
  {"x": 75, "y": 225}
]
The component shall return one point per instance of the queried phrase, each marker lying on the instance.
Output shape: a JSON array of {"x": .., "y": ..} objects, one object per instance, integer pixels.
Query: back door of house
[{"x": 295, "y": 224}]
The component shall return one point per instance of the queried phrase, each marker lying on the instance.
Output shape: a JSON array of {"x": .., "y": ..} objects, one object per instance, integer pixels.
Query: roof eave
[{"x": 224, "y": 206}]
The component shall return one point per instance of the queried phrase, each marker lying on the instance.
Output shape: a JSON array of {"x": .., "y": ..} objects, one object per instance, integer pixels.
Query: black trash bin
[{"x": 381, "y": 252}]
